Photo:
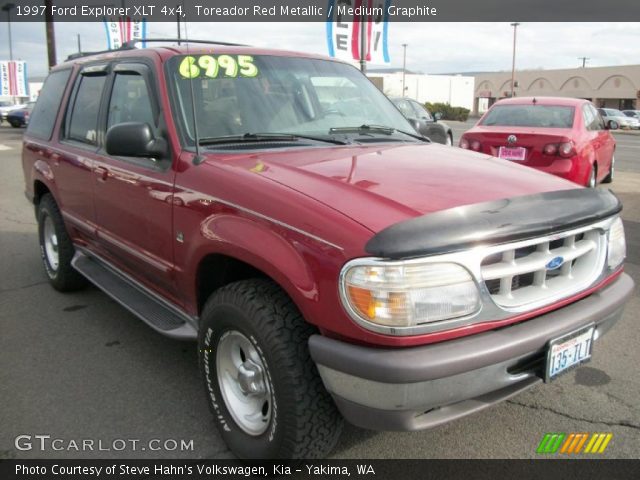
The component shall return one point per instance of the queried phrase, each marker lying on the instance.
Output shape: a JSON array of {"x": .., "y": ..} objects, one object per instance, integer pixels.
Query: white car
[
  {"x": 6, "y": 107},
  {"x": 632, "y": 113},
  {"x": 623, "y": 121}
]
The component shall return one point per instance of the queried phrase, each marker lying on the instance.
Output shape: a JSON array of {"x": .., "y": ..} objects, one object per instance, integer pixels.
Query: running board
[{"x": 155, "y": 312}]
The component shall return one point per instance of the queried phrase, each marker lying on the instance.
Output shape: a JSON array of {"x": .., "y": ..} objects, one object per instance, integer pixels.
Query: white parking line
[{"x": 4, "y": 147}]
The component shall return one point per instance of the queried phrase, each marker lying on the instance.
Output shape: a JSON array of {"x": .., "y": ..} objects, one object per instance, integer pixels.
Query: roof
[
  {"x": 168, "y": 51},
  {"x": 560, "y": 101}
]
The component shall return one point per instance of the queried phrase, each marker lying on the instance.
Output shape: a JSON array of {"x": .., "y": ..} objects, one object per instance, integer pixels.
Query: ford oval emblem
[
  {"x": 554, "y": 263},
  {"x": 512, "y": 139}
]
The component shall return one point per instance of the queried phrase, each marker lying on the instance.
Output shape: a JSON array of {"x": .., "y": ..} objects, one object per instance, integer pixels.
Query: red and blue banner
[
  {"x": 13, "y": 79},
  {"x": 123, "y": 30}
]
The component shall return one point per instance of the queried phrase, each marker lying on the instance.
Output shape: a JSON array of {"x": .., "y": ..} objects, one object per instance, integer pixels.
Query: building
[
  {"x": 456, "y": 90},
  {"x": 612, "y": 87}
]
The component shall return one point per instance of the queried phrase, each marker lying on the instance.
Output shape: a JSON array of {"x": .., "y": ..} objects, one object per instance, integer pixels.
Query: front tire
[
  {"x": 263, "y": 388},
  {"x": 56, "y": 248},
  {"x": 609, "y": 178}
]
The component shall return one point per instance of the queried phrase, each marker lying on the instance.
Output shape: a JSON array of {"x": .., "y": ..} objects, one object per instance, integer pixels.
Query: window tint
[
  {"x": 405, "y": 107},
  {"x": 421, "y": 111},
  {"x": 83, "y": 124},
  {"x": 599, "y": 119},
  {"x": 130, "y": 101},
  {"x": 44, "y": 113},
  {"x": 544, "y": 116},
  {"x": 590, "y": 120}
]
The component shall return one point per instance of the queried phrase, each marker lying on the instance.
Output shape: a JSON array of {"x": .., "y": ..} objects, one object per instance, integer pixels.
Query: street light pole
[
  {"x": 404, "y": 66},
  {"x": 7, "y": 8},
  {"x": 513, "y": 62},
  {"x": 584, "y": 61}
]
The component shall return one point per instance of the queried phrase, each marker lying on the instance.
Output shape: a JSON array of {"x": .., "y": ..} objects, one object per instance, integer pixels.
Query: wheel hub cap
[
  {"x": 244, "y": 382},
  {"x": 51, "y": 243}
]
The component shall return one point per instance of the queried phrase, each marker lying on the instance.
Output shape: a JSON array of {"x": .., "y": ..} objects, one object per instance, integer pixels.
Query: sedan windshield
[
  {"x": 256, "y": 96},
  {"x": 543, "y": 116}
]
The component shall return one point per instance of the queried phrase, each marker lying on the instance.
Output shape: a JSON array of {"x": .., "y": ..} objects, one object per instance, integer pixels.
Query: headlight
[
  {"x": 617, "y": 249},
  {"x": 405, "y": 294}
]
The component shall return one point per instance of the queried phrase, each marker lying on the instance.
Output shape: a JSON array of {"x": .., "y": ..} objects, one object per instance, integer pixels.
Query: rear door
[{"x": 134, "y": 195}]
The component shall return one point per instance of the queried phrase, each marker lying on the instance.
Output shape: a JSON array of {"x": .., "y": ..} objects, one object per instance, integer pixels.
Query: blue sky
[{"x": 433, "y": 47}]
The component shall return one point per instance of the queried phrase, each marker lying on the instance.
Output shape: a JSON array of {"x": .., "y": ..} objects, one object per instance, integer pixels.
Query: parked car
[
  {"x": 330, "y": 262},
  {"x": 6, "y": 107},
  {"x": 616, "y": 119},
  {"x": 19, "y": 117},
  {"x": 566, "y": 137},
  {"x": 421, "y": 119},
  {"x": 632, "y": 113}
]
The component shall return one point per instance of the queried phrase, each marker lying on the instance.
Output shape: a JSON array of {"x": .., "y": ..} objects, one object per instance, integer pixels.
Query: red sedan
[{"x": 562, "y": 136}]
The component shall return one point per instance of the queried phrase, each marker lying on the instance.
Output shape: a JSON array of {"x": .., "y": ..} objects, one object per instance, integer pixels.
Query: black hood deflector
[{"x": 495, "y": 222}]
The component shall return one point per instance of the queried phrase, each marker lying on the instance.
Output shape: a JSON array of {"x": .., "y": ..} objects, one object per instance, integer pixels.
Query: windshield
[
  {"x": 236, "y": 95},
  {"x": 544, "y": 116}
]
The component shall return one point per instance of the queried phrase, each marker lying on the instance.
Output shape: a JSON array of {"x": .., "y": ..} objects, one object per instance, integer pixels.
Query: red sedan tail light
[
  {"x": 564, "y": 149},
  {"x": 464, "y": 143},
  {"x": 475, "y": 145}
]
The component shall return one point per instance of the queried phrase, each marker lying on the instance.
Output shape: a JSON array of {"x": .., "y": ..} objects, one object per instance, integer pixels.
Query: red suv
[
  {"x": 331, "y": 263},
  {"x": 562, "y": 136}
]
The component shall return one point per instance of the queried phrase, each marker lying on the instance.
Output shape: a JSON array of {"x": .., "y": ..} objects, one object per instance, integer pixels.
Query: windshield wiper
[
  {"x": 266, "y": 137},
  {"x": 377, "y": 129}
]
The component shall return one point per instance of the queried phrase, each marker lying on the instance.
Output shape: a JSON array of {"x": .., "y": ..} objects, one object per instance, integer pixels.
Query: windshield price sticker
[{"x": 211, "y": 66}]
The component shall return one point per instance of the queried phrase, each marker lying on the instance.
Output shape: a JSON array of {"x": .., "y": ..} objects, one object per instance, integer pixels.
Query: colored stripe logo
[{"x": 574, "y": 443}]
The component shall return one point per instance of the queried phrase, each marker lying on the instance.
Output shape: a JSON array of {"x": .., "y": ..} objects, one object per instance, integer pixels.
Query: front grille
[{"x": 521, "y": 274}]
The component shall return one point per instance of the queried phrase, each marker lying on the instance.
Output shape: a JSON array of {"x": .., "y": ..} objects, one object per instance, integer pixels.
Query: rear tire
[
  {"x": 56, "y": 248},
  {"x": 15, "y": 124},
  {"x": 593, "y": 177},
  {"x": 263, "y": 388},
  {"x": 449, "y": 140},
  {"x": 609, "y": 178}
]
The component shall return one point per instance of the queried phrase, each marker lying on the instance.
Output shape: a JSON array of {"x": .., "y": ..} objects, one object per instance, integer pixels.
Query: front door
[{"x": 133, "y": 196}]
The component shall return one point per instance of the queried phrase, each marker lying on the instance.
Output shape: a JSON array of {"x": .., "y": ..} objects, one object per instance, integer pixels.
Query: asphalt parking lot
[{"x": 79, "y": 366}]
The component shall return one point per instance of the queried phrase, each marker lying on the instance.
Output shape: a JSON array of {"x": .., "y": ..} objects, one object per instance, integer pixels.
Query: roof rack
[{"x": 133, "y": 43}]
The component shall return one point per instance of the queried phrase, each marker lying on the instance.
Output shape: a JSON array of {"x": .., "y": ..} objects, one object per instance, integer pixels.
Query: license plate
[
  {"x": 569, "y": 351},
  {"x": 512, "y": 153}
]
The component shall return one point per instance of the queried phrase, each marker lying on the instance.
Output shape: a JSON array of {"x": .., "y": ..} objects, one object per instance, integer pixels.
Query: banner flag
[
  {"x": 13, "y": 79},
  {"x": 124, "y": 29},
  {"x": 344, "y": 19}
]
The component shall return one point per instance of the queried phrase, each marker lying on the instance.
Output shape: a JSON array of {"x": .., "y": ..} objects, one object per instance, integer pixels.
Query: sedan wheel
[
  {"x": 592, "y": 178},
  {"x": 449, "y": 140}
]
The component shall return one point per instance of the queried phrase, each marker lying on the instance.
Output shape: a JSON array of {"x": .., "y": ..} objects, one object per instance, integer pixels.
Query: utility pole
[
  {"x": 584, "y": 60},
  {"x": 51, "y": 34},
  {"x": 79, "y": 45},
  {"x": 513, "y": 62},
  {"x": 178, "y": 22},
  {"x": 404, "y": 66},
  {"x": 7, "y": 8}
]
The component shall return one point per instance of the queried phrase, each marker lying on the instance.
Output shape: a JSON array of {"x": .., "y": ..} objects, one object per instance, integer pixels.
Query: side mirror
[
  {"x": 134, "y": 139},
  {"x": 415, "y": 124},
  {"x": 612, "y": 125},
  {"x": 437, "y": 116}
]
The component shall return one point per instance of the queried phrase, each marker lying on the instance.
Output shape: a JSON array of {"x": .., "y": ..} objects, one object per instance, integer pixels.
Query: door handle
[{"x": 102, "y": 173}]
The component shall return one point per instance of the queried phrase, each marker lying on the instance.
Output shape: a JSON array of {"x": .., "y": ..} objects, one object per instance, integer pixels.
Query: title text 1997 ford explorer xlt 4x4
[{"x": 331, "y": 263}]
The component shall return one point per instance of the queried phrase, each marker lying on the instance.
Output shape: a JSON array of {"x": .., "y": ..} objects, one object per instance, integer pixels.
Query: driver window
[
  {"x": 421, "y": 112},
  {"x": 130, "y": 101}
]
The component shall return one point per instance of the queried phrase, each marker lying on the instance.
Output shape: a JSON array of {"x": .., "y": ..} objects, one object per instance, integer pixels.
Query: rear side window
[
  {"x": 543, "y": 116},
  {"x": 44, "y": 113},
  {"x": 83, "y": 122}
]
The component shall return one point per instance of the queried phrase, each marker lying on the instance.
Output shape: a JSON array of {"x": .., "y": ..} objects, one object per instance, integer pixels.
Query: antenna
[{"x": 197, "y": 160}]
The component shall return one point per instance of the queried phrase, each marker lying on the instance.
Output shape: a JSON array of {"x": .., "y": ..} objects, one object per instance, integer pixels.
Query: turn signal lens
[
  {"x": 404, "y": 294},
  {"x": 464, "y": 143},
  {"x": 617, "y": 250}
]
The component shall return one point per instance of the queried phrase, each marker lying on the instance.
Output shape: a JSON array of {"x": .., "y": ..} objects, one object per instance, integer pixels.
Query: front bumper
[{"x": 422, "y": 387}]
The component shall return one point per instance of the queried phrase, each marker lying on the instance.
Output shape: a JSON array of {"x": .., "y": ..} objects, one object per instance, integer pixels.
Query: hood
[{"x": 378, "y": 186}]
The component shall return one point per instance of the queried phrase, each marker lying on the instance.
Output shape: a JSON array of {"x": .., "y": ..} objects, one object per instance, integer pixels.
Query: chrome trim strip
[{"x": 471, "y": 260}]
